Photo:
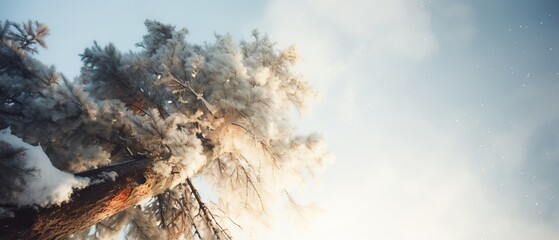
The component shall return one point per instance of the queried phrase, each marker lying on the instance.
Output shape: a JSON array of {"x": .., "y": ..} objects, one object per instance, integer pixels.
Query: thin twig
[
  {"x": 199, "y": 96},
  {"x": 209, "y": 217},
  {"x": 161, "y": 213}
]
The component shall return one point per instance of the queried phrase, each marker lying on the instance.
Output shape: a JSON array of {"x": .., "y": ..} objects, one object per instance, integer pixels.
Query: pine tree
[{"x": 154, "y": 120}]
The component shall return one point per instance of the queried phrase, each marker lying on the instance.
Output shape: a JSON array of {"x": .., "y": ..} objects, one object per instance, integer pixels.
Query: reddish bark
[{"x": 135, "y": 182}]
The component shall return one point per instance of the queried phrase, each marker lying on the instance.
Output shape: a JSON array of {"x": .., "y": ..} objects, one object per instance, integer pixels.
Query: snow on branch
[
  {"x": 220, "y": 112},
  {"x": 40, "y": 184}
]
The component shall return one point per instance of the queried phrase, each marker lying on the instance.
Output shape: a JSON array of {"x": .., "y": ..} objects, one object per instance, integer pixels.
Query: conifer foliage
[{"x": 217, "y": 112}]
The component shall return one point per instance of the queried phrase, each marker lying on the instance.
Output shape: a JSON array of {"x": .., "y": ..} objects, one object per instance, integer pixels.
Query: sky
[{"x": 442, "y": 115}]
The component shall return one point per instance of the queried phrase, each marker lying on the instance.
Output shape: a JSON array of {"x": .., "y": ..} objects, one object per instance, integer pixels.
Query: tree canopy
[{"x": 218, "y": 113}]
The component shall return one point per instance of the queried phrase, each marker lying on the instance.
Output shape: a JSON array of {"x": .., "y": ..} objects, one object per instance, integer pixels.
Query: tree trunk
[{"x": 135, "y": 182}]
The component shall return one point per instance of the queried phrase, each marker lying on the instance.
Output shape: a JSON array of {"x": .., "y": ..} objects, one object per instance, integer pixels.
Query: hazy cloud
[{"x": 433, "y": 140}]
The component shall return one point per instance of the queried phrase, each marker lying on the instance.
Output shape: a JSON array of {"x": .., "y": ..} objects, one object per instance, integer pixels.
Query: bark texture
[{"x": 135, "y": 182}]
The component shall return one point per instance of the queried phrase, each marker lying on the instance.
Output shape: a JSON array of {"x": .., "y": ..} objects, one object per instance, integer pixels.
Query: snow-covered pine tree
[{"x": 217, "y": 112}]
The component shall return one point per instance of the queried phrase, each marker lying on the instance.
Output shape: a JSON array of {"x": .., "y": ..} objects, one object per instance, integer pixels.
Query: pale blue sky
[{"x": 442, "y": 115}]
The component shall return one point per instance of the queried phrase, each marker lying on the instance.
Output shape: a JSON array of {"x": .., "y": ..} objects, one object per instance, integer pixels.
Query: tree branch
[{"x": 135, "y": 182}]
